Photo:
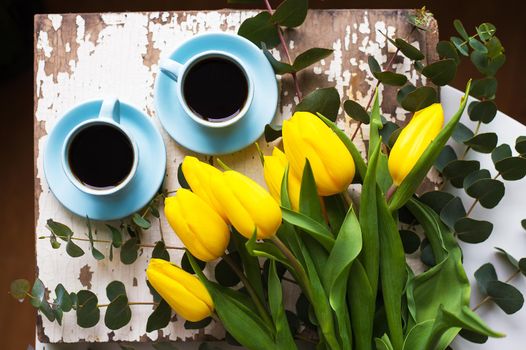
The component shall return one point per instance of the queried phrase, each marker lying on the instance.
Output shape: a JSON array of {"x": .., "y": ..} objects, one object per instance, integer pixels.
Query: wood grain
[{"x": 87, "y": 56}]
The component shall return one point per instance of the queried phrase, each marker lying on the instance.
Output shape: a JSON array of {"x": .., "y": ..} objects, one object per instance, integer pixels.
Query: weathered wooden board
[{"x": 88, "y": 56}]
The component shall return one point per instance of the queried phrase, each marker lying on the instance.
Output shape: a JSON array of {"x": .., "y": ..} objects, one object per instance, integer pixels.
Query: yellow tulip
[
  {"x": 248, "y": 205},
  {"x": 305, "y": 136},
  {"x": 198, "y": 175},
  {"x": 204, "y": 233},
  {"x": 184, "y": 292},
  {"x": 413, "y": 141},
  {"x": 273, "y": 170}
]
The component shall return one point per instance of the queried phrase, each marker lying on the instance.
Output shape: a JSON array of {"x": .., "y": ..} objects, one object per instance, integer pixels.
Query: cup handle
[
  {"x": 110, "y": 109},
  {"x": 170, "y": 67}
]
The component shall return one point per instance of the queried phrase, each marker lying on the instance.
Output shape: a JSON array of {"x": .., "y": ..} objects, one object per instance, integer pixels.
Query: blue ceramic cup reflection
[
  {"x": 213, "y": 87},
  {"x": 99, "y": 156}
]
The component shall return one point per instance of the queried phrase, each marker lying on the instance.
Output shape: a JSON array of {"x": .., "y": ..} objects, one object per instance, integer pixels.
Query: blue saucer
[
  {"x": 195, "y": 137},
  {"x": 142, "y": 188}
]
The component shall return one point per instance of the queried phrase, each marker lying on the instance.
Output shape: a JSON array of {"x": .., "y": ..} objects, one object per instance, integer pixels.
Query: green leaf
[
  {"x": 452, "y": 211},
  {"x": 501, "y": 152},
  {"x": 291, "y": 13},
  {"x": 477, "y": 45},
  {"x": 180, "y": 177},
  {"x": 141, "y": 221},
  {"x": 483, "y": 111},
  {"x": 391, "y": 78},
  {"x": 523, "y": 223},
  {"x": 185, "y": 263},
  {"x": 473, "y": 337},
  {"x": 436, "y": 200},
  {"x": 447, "y": 50},
  {"x": 160, "y": 251},
  {"x": 118, "y": 313},
  {"x": 279, "y": 67},
  {"x": 260, "y": 29},
  {"x": 408, "y": 50},
  {"x": 512, "y": 168},
  {"x": 485, "y": 274},
  {"x": 475, "y": 176},
  {"x": 73, "y": 250},
  {"x": 486, "y": 31},
  {"x": 410, "y": 241},
  {"x": 272, "y": 132},
  {"x": 361, "y": 304},
  {"x": 459, "y": 27},
  {"x": 58, "y": 229},
  {"x": 115, "y": 289},
  {"x": 266, "y": 250},
  {"x": 403, "y": 92},
  {"x": 473, "y": 231},
  {"x": 522, "y": 266},
  {"x": 310, "y": 204},
  {"x": 309, "y": 57},
  {"x": 446, "y": 156},
  {"x": 483, "y": 143},
  {"x": 129, "y": 251},
  {"x": 513, "y": 262},
  {"x": 356, "y": 111},
  {"x": 199, "y": 324},
  {"x": 461, "y": 45},
  {"x": 88, "y": 312},
  {"x": 441, "y": 72},
  {"x": 419, "y": 98},
  {"x": 47, "y": 311},
  {"x": 160, "y": 317},
  {"x": 458, "y": 169},
  {"x": 506, "y": 296},
  {"x": 374, "y": 66},
  {"x": 19, "y": 288},
  {"x": 318, "y": 231},
  {"x": 520, "y": 145},
  {"x": 284, "y": 339},
  {"x": 224, "y": 274},
  {"x": 116, "y": 236},
  {"x": 63, "y": 299},
  {"x": 325, "y": 101},
  {"x": 489, "y": 192},
  {"x": 484, "y": 88},
  {"x": 462, "y": 133}
]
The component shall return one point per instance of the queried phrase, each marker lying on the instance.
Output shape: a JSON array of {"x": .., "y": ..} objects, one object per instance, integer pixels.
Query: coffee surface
[
  {"x": 100, "y": 156},
  {"x": 215, "y": 89}
]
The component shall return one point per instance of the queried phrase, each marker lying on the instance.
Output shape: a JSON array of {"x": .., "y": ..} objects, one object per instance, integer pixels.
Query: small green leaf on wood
[
  {"x": 441, "y": 72},
  {"x": 180, "y": 177},
  {"x": 88, "y": 312},
  {"x": 506, "y": 296},
  {"x": 522, "y": 266},
  {"x": 473, "y": 231},
  {"x": 118, "y": 314},
  {"x": 279, "y": 67},
  {"x": 199, "y": 324},
  {"x": 260, "y": 29},
  {"x": 390, "y": 78},
  {"x": 291, "y": 13},
  {"x": 325, "y": 101},
  {"x": 185, "y": 263},
  {"x": 47, "y": 311},
  {"x": 513, "y": 262},
  {"x": 116, "y": 236},
  {"x": 419, "y": 98},
  {"x": 447, "y": 50},
  {"x": 129, "y": 251},
  {"x": 224, "y": 274},
  {"x": 512, "y": 168},
  {"x": 356, "y": 111},
  {"x": 483, "y": 143},
  {"x": 483, "y": 111},
  {"x": 520, "y": 145},
  {"x": 160, "y": 251},
  {"x": 19, "y": 288},
  {"x": 309, "y": 57},
  {"x": 160, "y": 317},
  {"x": 63, "y": 298},
  {"x": 374, "y": 66},
  {"x": 73, "y": 250},
  {"x": 141, "y": 221},
  {"x": 272, "y": 132},
  {"x": 59, "y": 229},
  {"x": 485, "y": 274},
  {"x": 114, "y": 289},
  {"x": 410, "y": 241},
  {"x": 408, "y": 50}
]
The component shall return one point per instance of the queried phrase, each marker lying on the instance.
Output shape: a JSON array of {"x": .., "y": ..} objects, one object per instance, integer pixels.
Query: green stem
[
  {"x": 303, "y": 279},
  {"x": 253, "y": 295},
  {"x": 144, "y": 245}
]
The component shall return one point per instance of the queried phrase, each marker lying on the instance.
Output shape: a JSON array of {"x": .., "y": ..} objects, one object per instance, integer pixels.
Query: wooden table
[{"x": 88, "y": 56}]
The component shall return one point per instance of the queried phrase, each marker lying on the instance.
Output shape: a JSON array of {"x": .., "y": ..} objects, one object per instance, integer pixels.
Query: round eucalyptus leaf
[
  {"x": 447, "y": 50},
  {"x": 461, "y": 133},
  {"x": 475, "y": 176},
  {"x": 473, "y": 337},
  {"x": 59, "y": 229},
  {"x": 506, "y": 296},
  {"x": 441, "y": 72},
  {"x": 483, "y": 111},
  {"x": 272, "y": 132},
  {"x": 387, "y": 130},
  {"x": 410, "y": 241},
  {"x": 426, "y": 254},
  {"x": 199, "y": 324},
  {"x": 115, "y": 289},
  {"x": 141, "y": 221},
  {"x": 513, "y": 262},
  {"x": 63, "y": 299},
  {"x": 483, "y": 143},
  {"x": 436, "y": 200},
  {"x": 116, "y": 236},
  {"x": 419, "y": 98},
  {"x": 73, "y": 250},
  {"x": 291, "y": 13},
  {"x": 480, "y": 60},
  {"x": 325, "y": 101},
  {"x": 522, "y": 266},
  {"x": 129, "y": 251},
  {"x": 393, "y": 137},
  {"x": 461, "y": 45},
  {"x": 279, "y": 67},
  {"x": 512, "y": 168},
  {"x": 302, "y": 309},
  {"x": 160, "y": 317},
  {"x": 19, "y": 288},
  {"x": 374, "y": 66},
  {"x": 38, "y": 293},
  {"x": 495, "y": 47},
  {"x": 459, "y": 27},
  {"x": 88, "y": 312},
  {"x": 485, "y": 274},
  {"x": 185, "y": 263},
  {"x": 356, "y": 111},
  {"x": 260, "y": 29},
  {"x": 458, "y": 169},
  {"x": 446, "y": 156},
  {"x": 390, "y": 78},
  {"x": 452, "y": 212},
  {"x": 160, "y": 251},
  {"x": 309, "y": 57},
  {"x": 180, "y": 177},
  {"x": 523, "y": 223},
  {"x": 473, "y": 231},
  {"x": 501, "y": 152},
  {"x": 118, "y": 313},
  {"x": 484, "y": 88},
  {"x": 489, "y": 192},
  {"x": 486, "y": 31},
  {"x": 402, "y": 93},
  {"x": 409, "y": 50},
  {"x": 478, "y": 46},
  {"x": 520, "y": 145},
  {"x": 47, "y": 311},
  {"x": 224, "y": 274}
]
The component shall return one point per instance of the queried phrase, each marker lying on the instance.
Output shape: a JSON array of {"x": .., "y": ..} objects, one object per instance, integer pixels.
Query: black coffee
[
  {"x": 100, "y": 156},
  {"x": 215, "y": 89}
]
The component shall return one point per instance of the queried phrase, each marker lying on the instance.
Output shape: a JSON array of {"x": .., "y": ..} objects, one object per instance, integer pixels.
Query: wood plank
[{"x": 86, "y": 56}]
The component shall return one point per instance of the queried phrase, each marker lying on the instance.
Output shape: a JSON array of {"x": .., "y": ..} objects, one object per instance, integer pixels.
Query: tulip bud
[
  {"x": 248, "y": 205},
  {"x": 413, "y": 141},
  {"x": 198, "y": 175},
  {"x": 273, "y": 170},
  {"x": 305, "y": 136},
  {"x": 184, "y": 292},
  {"x": 204, "y": 233}
]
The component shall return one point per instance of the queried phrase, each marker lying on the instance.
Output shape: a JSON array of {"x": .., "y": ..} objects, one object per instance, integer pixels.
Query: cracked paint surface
[{"x": 79, "y": 57}]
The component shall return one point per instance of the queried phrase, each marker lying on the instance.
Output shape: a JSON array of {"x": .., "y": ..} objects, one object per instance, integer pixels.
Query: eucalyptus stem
[
  {"x": 133, "y": 303},
  {"x": 474, "y": 204},
  {"x": 253, "y": 295},
  {"x": 144, "y": 245},
  {"x": 488, "y": 298},
  {"x": 469, "y": 147},
  {"x": 286, "y": 50}
]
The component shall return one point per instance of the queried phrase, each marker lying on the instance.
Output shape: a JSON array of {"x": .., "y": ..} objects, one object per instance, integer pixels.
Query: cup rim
[
  {"x": 69, "y": 173},
  {"x": 211, "y": 53}
]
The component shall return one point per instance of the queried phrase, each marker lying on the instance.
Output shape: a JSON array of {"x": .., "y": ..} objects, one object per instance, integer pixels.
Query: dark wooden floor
[{"x": 16, "y": 149}]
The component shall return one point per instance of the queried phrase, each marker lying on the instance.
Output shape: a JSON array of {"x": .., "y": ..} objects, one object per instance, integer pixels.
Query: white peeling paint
[{"x": 56, "y": 21}]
